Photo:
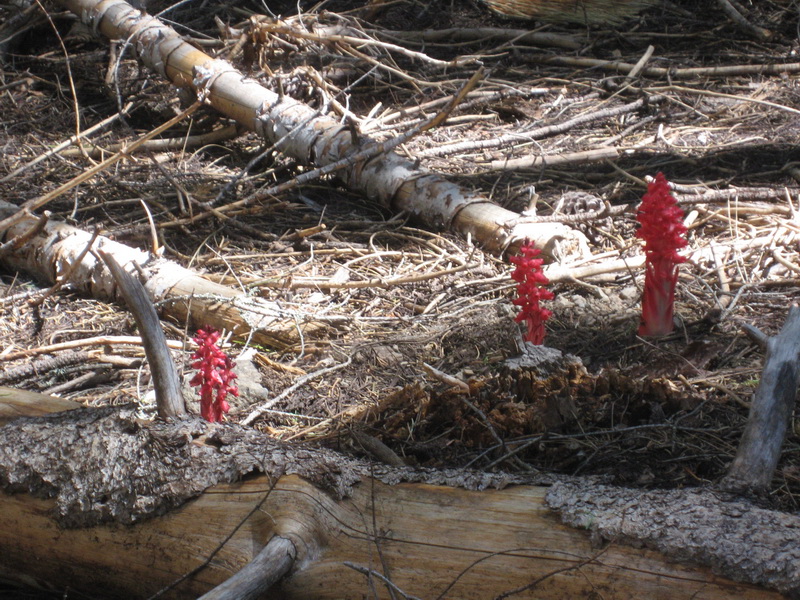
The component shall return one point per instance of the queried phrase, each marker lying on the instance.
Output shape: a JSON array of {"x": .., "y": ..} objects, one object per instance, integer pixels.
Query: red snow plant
[
  {"x": 214, "y": 375},
  {"x": 530, "y": 279},
  {"x": 663, "y": 232}
]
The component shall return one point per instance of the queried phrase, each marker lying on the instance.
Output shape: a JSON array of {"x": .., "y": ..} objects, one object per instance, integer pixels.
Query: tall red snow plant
[
  {"x": 214, "y": 375},
  {"x": 663, "y": 232},
  {"x": 530, "y": 279}
]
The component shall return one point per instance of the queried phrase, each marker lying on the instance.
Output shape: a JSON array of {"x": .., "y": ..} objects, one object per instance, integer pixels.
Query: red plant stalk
[
  {"x": 214, "y": 375},
  {"x": 663, "y": 232},
  {"x": 530, "y": 279}
]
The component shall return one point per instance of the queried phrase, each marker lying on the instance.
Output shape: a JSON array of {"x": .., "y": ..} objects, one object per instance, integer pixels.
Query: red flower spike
[
  {"x": 663, "y": 232},
  {"x": 214, "y": 374},
  {"x": 530, "y": 279}
]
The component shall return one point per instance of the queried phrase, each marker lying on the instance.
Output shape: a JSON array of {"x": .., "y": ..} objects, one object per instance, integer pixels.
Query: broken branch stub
[
  {"x": 166, "y": 381},
  {"x": 313, "y": 139},
  {"x": 259, "y": 575},
  {"x": 770, "y": 412}
]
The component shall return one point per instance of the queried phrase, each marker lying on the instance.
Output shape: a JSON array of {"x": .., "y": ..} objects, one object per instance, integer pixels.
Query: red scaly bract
[
  {"x": 663, "y": 231},
  {"x": 530, "y": 279},
  {"x": 214, "y": 375}
]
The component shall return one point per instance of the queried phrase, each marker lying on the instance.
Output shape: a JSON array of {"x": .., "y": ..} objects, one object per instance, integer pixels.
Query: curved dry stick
[
  {"x": 617, "y": 66},
  {"x": 483, "y": 34},
  {"x": 167, "y": 384},
  {"x": 539, "y": 132},
  {"x": 742, "y": 23},
  {"x": 770, "y": 412}
]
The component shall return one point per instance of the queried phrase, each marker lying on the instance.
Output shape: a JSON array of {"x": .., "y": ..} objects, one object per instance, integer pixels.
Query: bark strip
[
  {"x": 737, "y": 539},
  {"x": 182, "y": 294}
]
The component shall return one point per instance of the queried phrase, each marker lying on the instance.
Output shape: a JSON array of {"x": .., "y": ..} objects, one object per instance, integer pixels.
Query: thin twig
[
  {"x": 36, "y": 203},
  {"x": 558, "y": 160},
  {"x": 102, "y": 340},
  {"x": 742, "y": 23},
  {"x": 374, "y": 573},
  {"x": 660, "y": 72},
  {"x": 259, "y": 410},
  {"x": 515, "y": 139},
  {"x": 547, "y": 576}
]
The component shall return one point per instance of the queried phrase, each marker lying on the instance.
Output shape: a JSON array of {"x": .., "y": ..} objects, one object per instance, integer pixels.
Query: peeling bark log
[
  {"x": 770, "y": 412},
  {"x": 183, "y": 295},
  {"x": 299, "y": 131},
  {"x": 427, "y": 539},
  {"x": 426, "y": 535}
]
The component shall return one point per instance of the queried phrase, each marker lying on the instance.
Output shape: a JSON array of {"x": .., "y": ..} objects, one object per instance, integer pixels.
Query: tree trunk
[{"x": 111, "y": 529}]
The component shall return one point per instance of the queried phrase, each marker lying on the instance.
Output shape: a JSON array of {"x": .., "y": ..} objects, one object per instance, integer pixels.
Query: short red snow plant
[
  {"x": 214, "y": 375},
  {"x": 530, "y": 279},
  {"x": 663, "y": 232}
]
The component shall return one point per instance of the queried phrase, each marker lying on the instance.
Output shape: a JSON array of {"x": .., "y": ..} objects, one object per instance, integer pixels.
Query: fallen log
[
  {"x": 183, "y": 295},
  {"x": 96, "y": 500},
  {"x": 433, "y": 540},
  {"x": 300, "y": 132}
]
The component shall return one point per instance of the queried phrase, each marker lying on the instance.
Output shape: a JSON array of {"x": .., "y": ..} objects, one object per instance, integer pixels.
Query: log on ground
[
  {"x": 182, "y": 294},
  {"x": 427, "y": 539},
  {"x": 132, "y": 524}
]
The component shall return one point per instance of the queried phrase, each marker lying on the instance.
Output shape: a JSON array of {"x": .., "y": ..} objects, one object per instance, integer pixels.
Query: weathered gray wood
[
  {"x": 770, "y": 412},
  {"x": 167, "y": 383},
  {"x": 260, "y": 574}
]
